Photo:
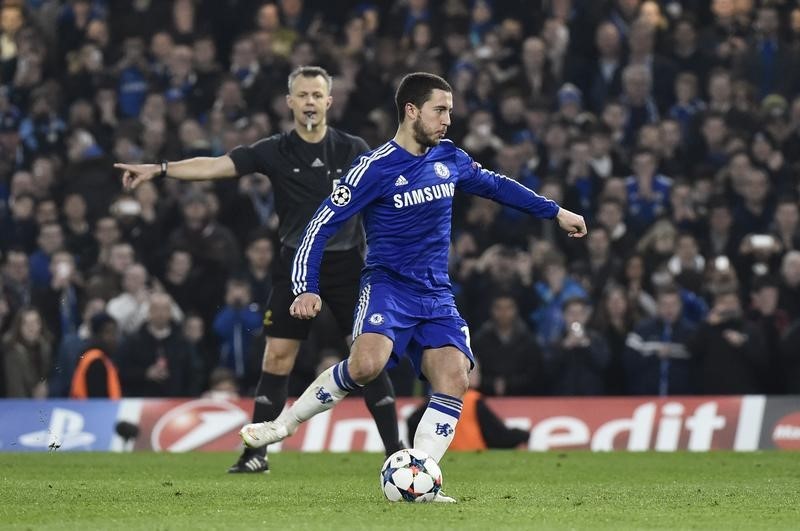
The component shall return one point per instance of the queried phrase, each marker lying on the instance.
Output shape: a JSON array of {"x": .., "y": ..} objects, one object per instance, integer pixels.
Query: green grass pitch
[{"x": 496, "y": 490}]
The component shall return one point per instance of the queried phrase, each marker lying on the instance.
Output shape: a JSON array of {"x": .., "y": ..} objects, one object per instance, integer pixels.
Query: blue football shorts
[{"x": 412, "y": 321}]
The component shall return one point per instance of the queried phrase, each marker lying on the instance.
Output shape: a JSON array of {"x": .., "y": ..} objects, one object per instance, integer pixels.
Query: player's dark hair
[
  {"x": 416, "y": 88},
  {"x": 310, "y": 71}
]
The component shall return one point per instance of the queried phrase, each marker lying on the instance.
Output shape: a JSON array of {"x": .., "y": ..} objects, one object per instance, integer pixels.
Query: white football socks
[
  {"x": 333, "y": 384},
  {"x": 438, "y": 425}
]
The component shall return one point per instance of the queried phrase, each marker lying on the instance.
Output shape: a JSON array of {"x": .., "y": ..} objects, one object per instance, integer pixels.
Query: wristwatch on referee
[{"x": 164, "y": 165}]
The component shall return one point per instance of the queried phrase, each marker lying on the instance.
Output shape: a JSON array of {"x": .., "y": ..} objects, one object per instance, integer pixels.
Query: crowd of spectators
[{"x": 673, "y": 126}]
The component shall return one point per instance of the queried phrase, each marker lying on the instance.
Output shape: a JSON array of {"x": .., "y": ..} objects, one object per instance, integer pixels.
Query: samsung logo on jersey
[{"x": 424, "y": 195}]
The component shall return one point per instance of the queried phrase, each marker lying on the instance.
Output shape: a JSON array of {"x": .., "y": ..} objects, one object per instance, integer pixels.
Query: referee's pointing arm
[{"x": 196, "y": 169}]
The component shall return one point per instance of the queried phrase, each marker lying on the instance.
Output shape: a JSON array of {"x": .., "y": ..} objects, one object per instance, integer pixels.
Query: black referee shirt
[{"x": 302, "y": 176}]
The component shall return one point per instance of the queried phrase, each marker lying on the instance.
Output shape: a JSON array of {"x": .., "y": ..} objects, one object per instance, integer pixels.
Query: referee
[{"x": 305, "y": 166}]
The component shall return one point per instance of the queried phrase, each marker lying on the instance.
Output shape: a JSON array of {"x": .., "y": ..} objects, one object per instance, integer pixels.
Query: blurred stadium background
[{"x": 673, "y": 126}]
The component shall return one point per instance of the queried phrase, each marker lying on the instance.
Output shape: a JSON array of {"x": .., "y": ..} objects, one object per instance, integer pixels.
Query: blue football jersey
[{"x": 406, "y": 203}]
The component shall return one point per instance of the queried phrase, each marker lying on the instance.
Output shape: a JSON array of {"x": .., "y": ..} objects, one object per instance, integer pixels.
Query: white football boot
[
  {"x": 263, "y": 433},
  {"x": 441, "y": 498}
]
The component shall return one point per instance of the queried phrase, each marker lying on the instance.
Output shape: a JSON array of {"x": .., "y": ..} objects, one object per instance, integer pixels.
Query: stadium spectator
[
  {"x": 725, "y": 38},
  {"x": 641, "y": 51},
  {"x": 77, "y": 230},
  {"x": 17, "y": 286},
  {"x": 70, "y": 348},
  {"x": 583, "y": 184},
  {"x": 183, "y": 284},
  {"x": 790, "y": 284},
  {"x": 27, "y": 352},
  {"x": 600, "y": 263},
  {"x": 577, "y": 362},
  {"x": 105, "y": 233},
  {"x": 731, "y": 353},
  {"x": 61, "y": 299},
  {"x": 127, "y": 308},
  {"x": 786, "y": 224},
  {"x": 537, "y": 78},
  {"x": 601, "y": 78},
  {"x": 96, "y": 375},
  {"x": 105, "y": 278},
  {"x": 131, "y": 307},
  {"x": 204, "y": 347},
  {"x": 718, "y": 238},
  {"x": 553, "y": 291},
  {"x": 687, "y": 56},
  {"x": 614, "y": 318},
  {"x": 235, "y": 325},
  {"x": 611, "y": 215},
  {"x": 657, "y": 359},
  {"x": 672, "y": 149},
  {"x": 213, "y": 247},
  {"x": 766, "y": 63},
  {"x": 647, "y": 190},
  {"x": 259, "y": 254},
  {"x": 687, "y": 265},
  {"x": 49, "y": 241},
  {"x": 140, "y": 227},
  {"x": 755, "y": 207},
  {"x": 637, "y": 101},
  {"x": 510, "y": 359},
  {"x": 157, "y": 361},
  {"x": 773, "y": 323},
  {"x": 19, "y": 225}
]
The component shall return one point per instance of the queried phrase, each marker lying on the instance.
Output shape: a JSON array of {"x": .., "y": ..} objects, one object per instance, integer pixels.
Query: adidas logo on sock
[
  {"x": 401, "y": 181},
  {"x": 385, "y": 401},
  {"x": 317, "y": 163},
  {"x": 262, "y": 399}
]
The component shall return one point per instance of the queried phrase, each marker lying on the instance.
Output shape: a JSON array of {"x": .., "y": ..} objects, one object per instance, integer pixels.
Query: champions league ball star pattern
[
  {"x": 341, "y": 196},
  {"x": 410, "y": 475}
]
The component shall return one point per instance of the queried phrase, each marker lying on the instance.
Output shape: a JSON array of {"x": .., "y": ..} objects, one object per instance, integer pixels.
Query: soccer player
[
  {"x": 305, "y": 165},
  {"x": 406, "y": 307}
]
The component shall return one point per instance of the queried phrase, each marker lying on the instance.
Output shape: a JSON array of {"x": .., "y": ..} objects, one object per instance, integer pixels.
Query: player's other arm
[
  {"x": 359, "y": 187},
  {"x": 479, "y": 181},
  {"x": 196, "y": 169}
]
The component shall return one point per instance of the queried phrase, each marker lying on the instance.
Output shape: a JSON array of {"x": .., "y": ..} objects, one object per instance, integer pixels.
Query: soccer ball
[{"x": 410, "y": 475}]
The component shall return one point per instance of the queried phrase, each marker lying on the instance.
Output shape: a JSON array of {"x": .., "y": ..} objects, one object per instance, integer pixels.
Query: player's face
[
  {"x": 433, "y": 119},
  {"x": 309, "y": 100}
]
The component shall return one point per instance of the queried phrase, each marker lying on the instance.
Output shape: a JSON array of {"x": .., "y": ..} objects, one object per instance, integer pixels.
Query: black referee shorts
[{"x": 340, "y": 275}]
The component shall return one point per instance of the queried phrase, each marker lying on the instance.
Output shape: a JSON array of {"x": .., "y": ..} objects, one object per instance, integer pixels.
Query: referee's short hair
[
  {"x": 310, "y": 71},
  {"x": 416, "y": 88}
]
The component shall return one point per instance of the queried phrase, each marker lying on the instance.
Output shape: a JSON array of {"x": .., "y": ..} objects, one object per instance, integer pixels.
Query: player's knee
[
  {"x": 460, "y": 383},
  {"x": 453, "y": 381},
  {"x": 364, "y": 369}
]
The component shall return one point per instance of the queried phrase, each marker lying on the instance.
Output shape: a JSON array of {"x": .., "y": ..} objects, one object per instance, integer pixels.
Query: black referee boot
[{"x": 250, "y": 462}]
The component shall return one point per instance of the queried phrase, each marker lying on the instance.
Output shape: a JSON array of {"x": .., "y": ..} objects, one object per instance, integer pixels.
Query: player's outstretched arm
[
  {"x": 306, "y": 306},
  {"x": 196, "y": 169},
  {"x": 571, "y": 222}
]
